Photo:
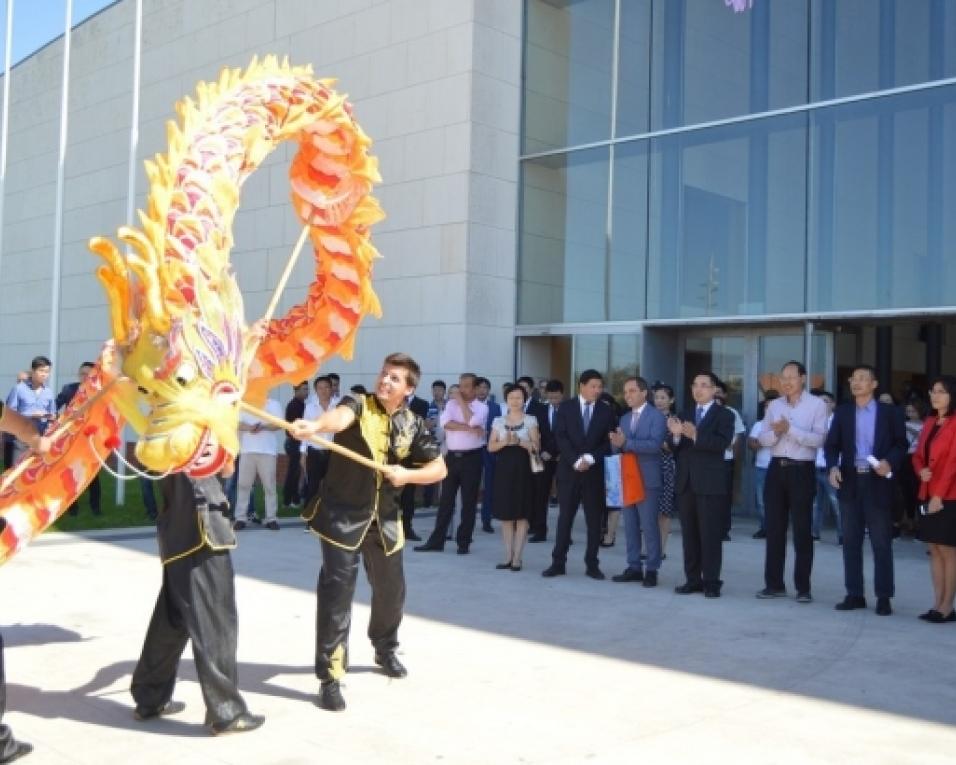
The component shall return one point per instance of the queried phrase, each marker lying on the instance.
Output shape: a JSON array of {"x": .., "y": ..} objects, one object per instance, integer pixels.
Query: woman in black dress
[
  {"x": 935, "y": 464},
  {"x": 664, "y": 402},
  {"x": 514, "y": 436}
]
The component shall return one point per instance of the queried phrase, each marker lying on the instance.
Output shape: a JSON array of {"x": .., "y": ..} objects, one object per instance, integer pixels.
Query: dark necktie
[
  {"x": 700, "y": 415},
  {"x": 587, "y": 417}
]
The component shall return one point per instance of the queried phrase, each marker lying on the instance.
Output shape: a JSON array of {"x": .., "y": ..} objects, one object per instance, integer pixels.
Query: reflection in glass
[
  {"x": 627, "y": 266},
  {"x": 563, "y": 259},
  {"x": 567, "y": 83},
  {"x": 727, "y": 226},
  {"x": 634, "y": 68},
  {"x": 724, "y": 356},
  {"x": 617, "y": 357},
  {"x": 860, "y": 46},
  {"x": 709, "y": 64},
  {"x": 883, "y": 182}
]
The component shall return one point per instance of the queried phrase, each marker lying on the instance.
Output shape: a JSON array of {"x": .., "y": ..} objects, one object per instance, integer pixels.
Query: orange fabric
[{"x": 632, "y": 484}]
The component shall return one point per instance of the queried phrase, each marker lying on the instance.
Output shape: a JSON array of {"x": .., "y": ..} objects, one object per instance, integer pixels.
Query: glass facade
[{"x": 681, "y": 161}]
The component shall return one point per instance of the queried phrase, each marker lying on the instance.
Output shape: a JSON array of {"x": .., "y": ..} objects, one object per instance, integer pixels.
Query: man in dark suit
[
  {"x": 418, "y": 406},
  {"x": 865, "y": 446},
  {"x": 581, "y": 430},
  {"x": 699, "y": 442},
  {"x": 538, "y": 525},
  {"x": 641, "y": 432},
  {"x": 488, "y": 460},
  {"x": 554, "y": 392},
  {"x": 64, "y": 397}
]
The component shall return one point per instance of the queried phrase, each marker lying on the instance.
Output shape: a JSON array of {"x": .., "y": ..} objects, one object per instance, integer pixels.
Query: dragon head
[{"x": 179, "y": 330}]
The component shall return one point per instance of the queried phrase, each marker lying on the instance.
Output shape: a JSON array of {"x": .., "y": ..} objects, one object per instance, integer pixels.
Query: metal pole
[
  {"x": 58, "y": 215},
  {"x": 131, "y": 180},
  {"x": 5, "y": 125}
]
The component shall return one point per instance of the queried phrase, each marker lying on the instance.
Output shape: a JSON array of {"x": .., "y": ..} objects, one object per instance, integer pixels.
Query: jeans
[
  {"x": 826, "y": 498},
  {"x": 760, "y": 481}
]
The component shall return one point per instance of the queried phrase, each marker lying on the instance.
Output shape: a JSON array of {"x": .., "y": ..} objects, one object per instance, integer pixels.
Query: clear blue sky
[{"x": 36, "y": 22}]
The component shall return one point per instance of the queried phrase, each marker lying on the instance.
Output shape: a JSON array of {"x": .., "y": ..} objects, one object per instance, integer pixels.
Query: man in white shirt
[
  {"x": 730, "y": 454},
  {"x": 259, "y": 447},
  {"x": 316, "y": 458}
]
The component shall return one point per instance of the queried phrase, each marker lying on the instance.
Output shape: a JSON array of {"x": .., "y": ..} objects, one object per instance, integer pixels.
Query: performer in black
[
  {"x": 358, "y": 511},
  {"x": 197, "y": 602},
  {"x": 23, "y": 428}
]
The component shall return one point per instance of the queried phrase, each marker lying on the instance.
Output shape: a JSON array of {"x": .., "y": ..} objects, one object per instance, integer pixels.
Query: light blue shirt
[
  {"x": 865, "y": 432},
  {"x": 27, "y": 401}
]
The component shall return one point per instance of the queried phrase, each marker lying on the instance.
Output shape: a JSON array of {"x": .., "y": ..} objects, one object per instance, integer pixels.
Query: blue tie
[
  {"x": 700, "y": 415},
  {"x": 587, "y": 417}
]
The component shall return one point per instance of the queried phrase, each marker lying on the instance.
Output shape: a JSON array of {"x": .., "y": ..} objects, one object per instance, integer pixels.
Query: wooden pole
[
  {"x": 330, "y": 445},
  {"x": 283, "y": 280}
]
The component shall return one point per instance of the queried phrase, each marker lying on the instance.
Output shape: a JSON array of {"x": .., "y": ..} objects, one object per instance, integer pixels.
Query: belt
[
  {"x": 787, "y": 462},
  {"x": 864, "y": 469},
  {"x": 463, "y": 452}
]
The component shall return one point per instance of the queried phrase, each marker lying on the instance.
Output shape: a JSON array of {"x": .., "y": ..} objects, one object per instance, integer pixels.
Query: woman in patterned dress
[{"x": 664, "y": 401}]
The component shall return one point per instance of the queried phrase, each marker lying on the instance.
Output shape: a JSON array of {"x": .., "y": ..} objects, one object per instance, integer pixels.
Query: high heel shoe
[
  {"x": 502, "y": 566},
  {"x": 517, "y": 567}
]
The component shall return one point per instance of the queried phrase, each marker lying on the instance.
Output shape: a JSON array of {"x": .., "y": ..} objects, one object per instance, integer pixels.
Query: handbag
[
  {"x": 623, "y": 484},
  {"x": 537, "y": 464}
]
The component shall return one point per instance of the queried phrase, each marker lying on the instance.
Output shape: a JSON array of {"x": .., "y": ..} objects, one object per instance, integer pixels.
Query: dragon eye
[{"x": 185, "y": 374}]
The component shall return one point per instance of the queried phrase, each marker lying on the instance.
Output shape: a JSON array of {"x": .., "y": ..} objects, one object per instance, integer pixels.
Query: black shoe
[
  {"x": 390, "y": 665},
  {"x": 503, "y": 566},
  {"x": 629, "y": 575},
  {"x": 688, "y": 588},
  {"x": 448, "y": 538},
  {"x": 516, "y": 567},
  {"x": 429, "y": 547},
  {"x": 462, "y": 549},
  {"x": 488, "y": 528},
  {"x": 238, "y": 724},
  {"x": 804, "y": 597},
  {"x": 594, "y": 572},
  {"x": 553, "y": 570},
  {"x": 816, "y": 537},
  {"x": 239, "y": 525},
  {"x": 760, "y": 534},
  {"x": 272, "y": 525},
  {"x": 650, "y": 579},
  {"x": 725, "y": 539},
  {"x": 951, "y": 617},
  {"x": 538, "y": 538},
  {"x": 712, "y": 592},
  {"x": 851, "y": 603},
  {"x": 769, "y": 592},
  {"x": 330, "y": 696},
  {"x": 931, "y": 616},
  {"x": 411, "y": 536},
  {"x": 22, "y": 750},
  {"x": 883, "y": 607},
  {"x": 143, "y": 713}
]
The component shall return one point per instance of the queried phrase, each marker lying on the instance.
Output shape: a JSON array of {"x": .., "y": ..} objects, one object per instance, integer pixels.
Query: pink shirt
[{"x": 459, "y": 440}]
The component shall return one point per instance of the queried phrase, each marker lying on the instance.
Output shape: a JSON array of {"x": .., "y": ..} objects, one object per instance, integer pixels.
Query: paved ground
[{"x": 504, "y": 667}]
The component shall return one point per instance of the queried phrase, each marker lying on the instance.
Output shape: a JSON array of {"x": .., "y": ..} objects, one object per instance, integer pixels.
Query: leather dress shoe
[
  {"x": 462, "y": 549},
  {"x": 411, "y": 536},
  {"x": 804, "y": 597},
  {"x": 712, "y": 592},
  {"x": 503, "y": 566},
  {"x": 553, "y": 570},
  {"x": 851, "y": 603},
  {"x": 239, "y": 724},
  {"x": 760, "y": 534},
  {"x": 142, "y": 713},
  {"x": 538, "y": 538},
  {"x": 390, "y": 665},
  {"x": 488, "y": 528},
  {"x": 330, "y": 696},
  {"x": 650, "y": 579},
  {"x": 429, "y": 547},
  {"x": 595, "y": 573},
  {"x": 629, "y": 575},
  {"x": 931, "y": 616},
  {"x": 687, "y": 588},
  {"x": 883, "y": 607},
  {"x": 22, "y": 749},
  {"x": 769, "y": 592}
]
